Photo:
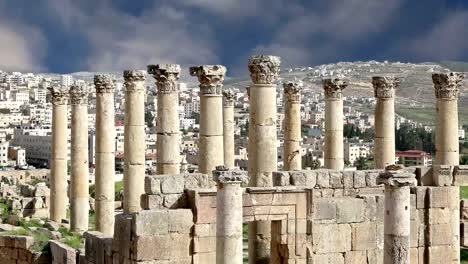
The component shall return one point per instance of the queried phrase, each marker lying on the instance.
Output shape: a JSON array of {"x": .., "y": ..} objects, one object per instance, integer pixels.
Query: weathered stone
[
  {"x": 442, "y": 175},
  {"x": 311, "y": 178},
  {"x": 323, "y": 179},
  {"x": 62, "y": 253},
  {"x": 355, "y": 257},
  {"x": 349, "y": 210},
  {"x": 331, "y": 238},
  {"x": 359, "y": 179},
  {"x": 336, "y": 179},
  {"x": 348, "y": 179},
  {"x": 150, "y": 201},
  {"x": 152, "y": 185},
  {"x": 364, "y": 236},
  {"x": 325, "y": 209},
  {"x": 151, "y": 222},
  {"x": 281, "y": 178},
  {"x": 298, "y": 178},
  {"x": 172, "y": 184},
  {"x": 180, "y": 221}
]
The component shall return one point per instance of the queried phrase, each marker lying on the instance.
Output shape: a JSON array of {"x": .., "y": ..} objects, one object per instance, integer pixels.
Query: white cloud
[{"x": 22, "y": 47}]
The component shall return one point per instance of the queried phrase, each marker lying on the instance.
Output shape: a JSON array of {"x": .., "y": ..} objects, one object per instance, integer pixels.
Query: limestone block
[
  {"x": 443, "y": 197},
  {"x": 171, "y": 246},
  {"x": 348, "y": 179},
  {"x": 336, "y": 179},
  {"x": 311, "y": 178},
  {"x": 323, "y": 179},
  {"x": 198, "y": 181},
  {"x": 151, "y": 222},
  {"x": 41, "y": 190},
  {"x": 414, "y": 255},
  {"x": 439, "y": 216},
  {"x": 204, "y": 244},
  {"x": 122, "y": 233},
  {"x": 440, "y": 234},
  {"x": 371, "y": 178},
  {"x": 205, "y": 230},
  {"x": 355, "y": 257},
  {"x": 298, "y": 178},
  {"x": 62, "y": 253},
  {"x": 364, "y": 236},
  {"x": 439, "y": 254},
  {"x": 281, "y": 178},
  {"x": 7, "y": 254},
  {"x": 375, "y": 256},
  {"x": 331, "y": 238},
  {"x": 370, "y": 207},
  {"x": 180, "y": 221},
  {"x": 38, "y": 203},
  {"x": 442, "y": 175},
  {"x": 359, "y": 179},
  {"x": 325, "y": 209},
  {"x": 149, "y": 201},
  {"x": 350, "y": 210},
  {"x": 96, "y": 245},
  {"x": 464, "y": 234},
  {"x": 414, "y": 234},
  {"x": 460, "y": 175},
  {"x": 203, "y": 258},
  {"x": 329, "y": 258},
  {"x": 152, "y": 185},
  {"x": 24, "y": 242},
  {"x": 172, "y": 184},
  {"x": 35, "y": 213}
]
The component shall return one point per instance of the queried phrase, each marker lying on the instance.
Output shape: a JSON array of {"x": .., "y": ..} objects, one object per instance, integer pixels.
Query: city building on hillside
[
  {"x": 354, "y": 151},
  {"x": 66, "y": 80},
  {"x": 413, "y": 158}
]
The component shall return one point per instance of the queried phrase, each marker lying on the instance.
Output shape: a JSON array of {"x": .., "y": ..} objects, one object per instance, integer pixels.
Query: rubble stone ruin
[{"x": 328, "y": 216}]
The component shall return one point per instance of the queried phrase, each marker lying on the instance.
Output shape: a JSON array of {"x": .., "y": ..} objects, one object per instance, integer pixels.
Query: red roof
[{"x": 413, "y": 154}]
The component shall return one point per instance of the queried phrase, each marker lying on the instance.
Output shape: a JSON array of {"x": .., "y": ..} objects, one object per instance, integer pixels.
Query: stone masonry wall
[
  {"x": 321, "y": 216},
  {"x": 17, "y": 250}
]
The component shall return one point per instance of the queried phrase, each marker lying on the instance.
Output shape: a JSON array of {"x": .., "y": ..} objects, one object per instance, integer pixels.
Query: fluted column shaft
[
  {"x": 105, "y": 154},
  {"x": 292, "y": 129},
  {"x": 264, "y": 71},
  {"x": 229, "y": 215},
  {"x": 210, "y": 153},
  {"x": 397, "y": 217},
  {"x": 447, "y": 88},
  {"x": 384, "y": 148},
  {"x": 334, "y": 149},
  {"x": 59, "y": 159},
  {"x": 228, "y": 129},
  {"x": 134, "y": 139},
  {"x": 79, "y": 178},
  {"x": 167, "y": 122}
]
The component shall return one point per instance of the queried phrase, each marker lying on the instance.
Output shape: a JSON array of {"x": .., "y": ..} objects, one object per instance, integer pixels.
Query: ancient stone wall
[
  {"x": 17, "y": 250},
  {"x": 25, "y": 176},
  {"x": 320, "y": 216},
  {"x": 27, "y": 200}
]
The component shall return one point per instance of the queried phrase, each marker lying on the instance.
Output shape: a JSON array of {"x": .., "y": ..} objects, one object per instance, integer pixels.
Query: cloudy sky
[{"x": 111, "y": 35}]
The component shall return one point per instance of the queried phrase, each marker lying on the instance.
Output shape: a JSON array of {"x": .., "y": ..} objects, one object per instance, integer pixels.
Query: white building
[
  {"x": 353, "y": 151},
  {"x": 4, "y": 154},
  {"x": 66, "y": 80}
]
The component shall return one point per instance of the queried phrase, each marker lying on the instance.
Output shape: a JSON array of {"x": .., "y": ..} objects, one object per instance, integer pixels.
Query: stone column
[
  {"x": 59, "y": 157},
  {"x": 384, "y": 149},
  {"x": 105, "y": 154},
  {"x": 292, "y": 129},
  {"x": 264, "y": 72},
  {"x": 210, "y": 153},
  {"x": 167, "y": 122},
  {"x": 397, "y": 219},
  {"x": 334, "y": 149},
  {"x": 79, "y": 178},
  {"x": 447, "y": 87},
  {"x": 229, "y": 215},
  {"x": 134, "y": 139},
  {"x": 228, "y": 128}
]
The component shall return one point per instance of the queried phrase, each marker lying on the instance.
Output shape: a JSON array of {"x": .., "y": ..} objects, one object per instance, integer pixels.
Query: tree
[
  {"x": 362, "y": 163},
  {"x": 149, "y": 119},
  {"x": 315, "y": 164},
  {"x": 407, "y": 138},
  {"x": 464, "y": 160}
]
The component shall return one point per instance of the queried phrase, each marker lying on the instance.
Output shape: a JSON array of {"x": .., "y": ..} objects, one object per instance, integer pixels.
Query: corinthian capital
[
  {"x": 292, "y": 91},
  {"x": 228, "y": 98},
  {"x": 264, "y": 69},
  {"x": 211, "y": 78},
  {"x": 104, "y": 83},
  {"x": 59, "y": 95},
  {"x": 334, "y": 88},
  {"x": 78, "y": 95},
  {"x": 447, "y": 85},
  {"x": 133, "y": 80},
  {"x": 384, "y": 86},
  {"x": 166, "y": 76}
]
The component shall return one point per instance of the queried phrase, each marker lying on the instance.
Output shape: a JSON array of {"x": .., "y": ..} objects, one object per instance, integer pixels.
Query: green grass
[
  {"x": 428, "y": 115},
  {"x": 118, "y": 188},
  {"x": 463, "y": 256},
  {"x": 464, "y": 192}
]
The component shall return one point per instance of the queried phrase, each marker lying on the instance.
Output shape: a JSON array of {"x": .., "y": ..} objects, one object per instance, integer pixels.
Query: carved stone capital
[
  {"x": 395, "y": 176},
  {"x": 166, "y": 76},
  {"x": 228, "y": 98},
  {"x": 79, "y": 95},
  {"x": 334, "y": 88},
  {"x": 133, "y": 80},
  {"x": 447, "y": 85},
  {"x": 292, "y": 91},
  {"x": 264, "y": 69},
  {"x": 224, "y": 175},
  {"x": 104, "y": 83},
  {"x": 211, "y": 78},
  {"x": 384, "y": 86},
  {"x": 59, "y": 95}
]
